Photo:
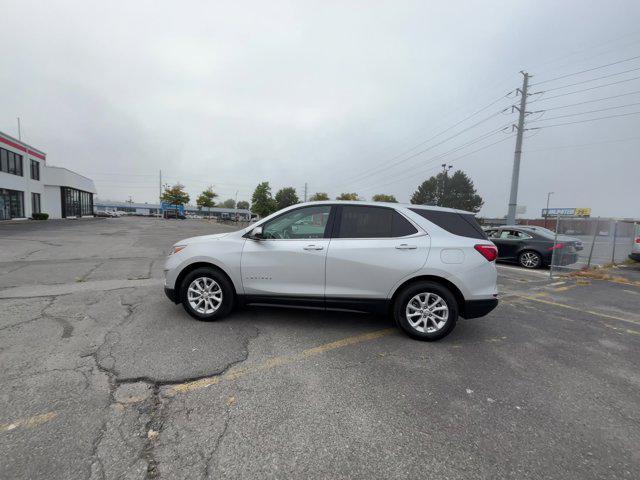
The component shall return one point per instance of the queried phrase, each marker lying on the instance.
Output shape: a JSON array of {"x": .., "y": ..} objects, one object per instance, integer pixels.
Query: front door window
[{"x": 308, "y": 222}]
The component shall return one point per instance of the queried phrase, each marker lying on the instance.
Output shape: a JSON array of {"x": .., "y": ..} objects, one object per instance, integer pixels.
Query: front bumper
[
  {"x": 171, "y": 294},
  {"x": 478, "y": 308}
]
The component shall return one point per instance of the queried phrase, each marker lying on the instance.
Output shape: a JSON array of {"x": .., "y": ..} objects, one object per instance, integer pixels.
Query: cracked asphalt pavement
[{"x": 103, "y": 378}]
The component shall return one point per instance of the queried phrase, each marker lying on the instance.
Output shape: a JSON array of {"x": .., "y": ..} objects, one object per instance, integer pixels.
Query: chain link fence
[{"x": 582, "y": 243}]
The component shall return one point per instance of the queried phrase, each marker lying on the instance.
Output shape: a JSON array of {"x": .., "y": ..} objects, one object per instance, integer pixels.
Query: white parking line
[{"x": 522, "y": 271}]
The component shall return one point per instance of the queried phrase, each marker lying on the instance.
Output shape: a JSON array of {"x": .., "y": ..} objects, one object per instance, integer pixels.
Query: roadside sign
[{"x": 566, "y": 212}]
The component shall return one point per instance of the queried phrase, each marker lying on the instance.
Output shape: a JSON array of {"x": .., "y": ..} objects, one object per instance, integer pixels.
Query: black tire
[
  {"x": 228, "y": 294},
  {"x": 530, "y": 259},
  {"x": 408, "y": 293}
]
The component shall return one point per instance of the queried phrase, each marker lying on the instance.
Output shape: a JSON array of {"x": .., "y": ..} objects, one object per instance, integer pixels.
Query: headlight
[{"x": 177, "y": 248}]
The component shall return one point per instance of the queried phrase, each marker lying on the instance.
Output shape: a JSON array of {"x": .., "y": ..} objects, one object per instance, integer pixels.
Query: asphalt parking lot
[{"x": 103, "y": 378}]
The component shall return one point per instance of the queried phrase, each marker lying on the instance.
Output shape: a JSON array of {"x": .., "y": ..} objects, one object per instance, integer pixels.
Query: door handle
[
  {"x": 313, "y": 247},
  {"x": 404, "y": 246}
]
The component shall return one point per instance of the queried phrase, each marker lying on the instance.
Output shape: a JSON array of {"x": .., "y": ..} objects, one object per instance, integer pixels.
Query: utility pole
[
  {"x": 236, "y": 206},
  {"x": 546, "y": 214},
  {"x": 305, "y": 191},
  {"x": 445, "y": 174},
  {"x": 513, "y": 197},
  {"x": 19, "y": 130}
]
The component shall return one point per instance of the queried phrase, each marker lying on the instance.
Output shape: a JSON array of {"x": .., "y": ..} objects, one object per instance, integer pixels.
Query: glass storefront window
[
  {"x": 76, "y": 203},
  {"x": 11, "y": 204}
]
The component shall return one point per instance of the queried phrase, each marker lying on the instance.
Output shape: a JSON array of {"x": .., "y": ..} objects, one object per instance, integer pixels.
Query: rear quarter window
[{"x": 463, "y": 224}]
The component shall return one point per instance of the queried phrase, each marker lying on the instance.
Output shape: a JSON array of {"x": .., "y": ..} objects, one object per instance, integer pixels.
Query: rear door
[
  {"x": 371, "y": 250},
  {"x": 509, "y": 243}
]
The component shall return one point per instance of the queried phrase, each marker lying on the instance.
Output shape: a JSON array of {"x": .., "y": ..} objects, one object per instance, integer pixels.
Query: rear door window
[
  {"x": 372, "y": 222},
  {"x": 514, "y": 235},
  {"x": 463, "y": 224}
]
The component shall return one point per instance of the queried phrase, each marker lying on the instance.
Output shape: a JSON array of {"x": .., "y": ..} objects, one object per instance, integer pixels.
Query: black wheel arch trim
[
  {"x": 457, "y": 293},
  {"x": 193, "y": 266}
]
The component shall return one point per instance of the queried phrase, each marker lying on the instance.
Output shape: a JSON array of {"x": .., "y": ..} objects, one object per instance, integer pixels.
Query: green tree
[
  {"x": 460, "y": 193},
  {"x": 318, "y": 196},
  {"x": 348, "y": 196},
  {"x": 206, "y": 200},
  {"x": 229, "y": 203},
  {"x": 175, "y": 195},
  {"x": 455, "y": 191},
  {"x": 262, "y": 202},
  {"x": 286, "y": 197},
  {"x": 383, "y": 197},
  {"x": 243, "y": 205}
]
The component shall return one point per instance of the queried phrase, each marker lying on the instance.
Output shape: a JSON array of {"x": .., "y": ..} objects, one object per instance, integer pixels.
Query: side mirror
[{"x": 256, "y": 233}]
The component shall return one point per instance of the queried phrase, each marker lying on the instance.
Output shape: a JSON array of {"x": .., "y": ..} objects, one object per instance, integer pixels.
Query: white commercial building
[{"x": 28, "y": 185}]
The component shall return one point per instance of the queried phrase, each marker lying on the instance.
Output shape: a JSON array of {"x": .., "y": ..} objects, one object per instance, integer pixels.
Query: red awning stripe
[
  {"x": 22, "y": 148},
  {"x": 36, "y": 154}
]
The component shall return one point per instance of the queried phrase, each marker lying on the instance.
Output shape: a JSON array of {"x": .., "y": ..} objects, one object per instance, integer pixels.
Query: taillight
[
  {"x": 556, "y": 246},
  {"x": 638, "y": 240},
  {"x": 490, "y": 252}
]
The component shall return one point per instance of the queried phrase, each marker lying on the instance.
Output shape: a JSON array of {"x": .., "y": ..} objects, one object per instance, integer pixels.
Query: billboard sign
[
  {"x": 167, "y": 206},
  {"x": 566, "y": 212}
]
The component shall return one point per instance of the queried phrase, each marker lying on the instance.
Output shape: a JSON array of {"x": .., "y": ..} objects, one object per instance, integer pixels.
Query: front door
[{"x": 289, "y": 261}]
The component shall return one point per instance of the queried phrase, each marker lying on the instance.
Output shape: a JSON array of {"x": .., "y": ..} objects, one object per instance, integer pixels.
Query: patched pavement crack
[
  {"x": 155, "y": 405},
  {"x": 216, "y": 448}
]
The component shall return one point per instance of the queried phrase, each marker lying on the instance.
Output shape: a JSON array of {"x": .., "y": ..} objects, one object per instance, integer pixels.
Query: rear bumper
[
  {"x": 635, "y": 256},
  {"x": 478, "y": 308},
  {"x": 171, "y": 294}
]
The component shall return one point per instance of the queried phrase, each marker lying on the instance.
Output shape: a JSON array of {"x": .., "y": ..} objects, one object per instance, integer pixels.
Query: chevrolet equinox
[{"x": 423, "y": 265}]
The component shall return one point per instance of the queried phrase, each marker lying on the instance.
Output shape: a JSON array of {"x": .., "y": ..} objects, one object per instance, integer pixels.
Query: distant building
[
  {"x": 28, "y": 185},
  {"x": 154, "y": 209}
]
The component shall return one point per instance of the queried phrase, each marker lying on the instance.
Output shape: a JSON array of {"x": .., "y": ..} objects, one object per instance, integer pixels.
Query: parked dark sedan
[{"x": 533, "y": 247}]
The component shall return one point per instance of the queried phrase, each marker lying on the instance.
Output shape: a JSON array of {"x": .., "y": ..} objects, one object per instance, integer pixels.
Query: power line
[
  {"x": 442, "y": 155},
  {"x": 383, "y": 167},
  {"x": 592, "y": 101},
  {"x": 587, "y": 70},
  {"x": 591, "y": 48},
  {"x": 544, "y": 99},
  {"x": 587, "y": 120},
  {"x": 455, "y": 149},
  {"x": 433, "y": 167},
  {"x": 402, "y": 160},
  {"x": 592, "y": 79},
  {"x": 584, "y": 113},
  {"x": 560, "y": 147}
]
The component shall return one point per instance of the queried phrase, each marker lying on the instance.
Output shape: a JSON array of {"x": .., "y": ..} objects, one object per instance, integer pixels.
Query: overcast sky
[{"x": 328, "y": 93}]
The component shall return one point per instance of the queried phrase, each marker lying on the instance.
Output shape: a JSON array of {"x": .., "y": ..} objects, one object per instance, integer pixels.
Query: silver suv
[{"x": 423, "y": 265}]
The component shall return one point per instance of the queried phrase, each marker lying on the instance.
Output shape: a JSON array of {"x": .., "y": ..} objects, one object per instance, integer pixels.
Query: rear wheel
[
  {"x": 206, "y": 294},
  {"x": 426, "y": 311},
  {"x": 530, "y": 259}
]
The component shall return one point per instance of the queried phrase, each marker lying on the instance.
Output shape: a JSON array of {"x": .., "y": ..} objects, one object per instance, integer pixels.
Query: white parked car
[{"x": 424, "y": 265}]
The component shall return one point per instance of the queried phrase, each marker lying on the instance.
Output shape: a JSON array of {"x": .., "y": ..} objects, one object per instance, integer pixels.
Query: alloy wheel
[
  {"x": 427, "y": 312},
  {"x": 530, "y": 259},
  {"x": 204, "y": 295}
]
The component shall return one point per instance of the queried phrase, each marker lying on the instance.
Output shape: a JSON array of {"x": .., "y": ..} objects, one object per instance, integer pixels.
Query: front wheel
[
  {"x": 426, "y": 311},
  {"x": 530, "y": 259},
  {"x": 206, "y": 294}
]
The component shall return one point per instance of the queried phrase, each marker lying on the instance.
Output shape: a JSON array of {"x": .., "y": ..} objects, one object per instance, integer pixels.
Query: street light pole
[
  {"x": 546, "y": 213},
  {"x": 445, "y": 173}
]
